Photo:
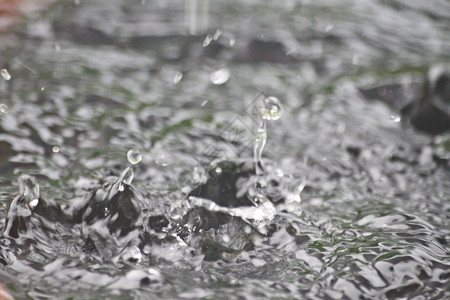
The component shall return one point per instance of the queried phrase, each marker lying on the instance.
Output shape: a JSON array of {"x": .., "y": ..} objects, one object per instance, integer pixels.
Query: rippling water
[{"x": 92, "y": 79}]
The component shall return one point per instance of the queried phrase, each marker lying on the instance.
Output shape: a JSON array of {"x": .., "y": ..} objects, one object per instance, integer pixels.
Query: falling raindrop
[
  {"x": 217, "y": 34},
  {"x": 220, "y": 76},
  {"x": 42, "y": 88},
  {"x": 134, "y": 156},
  {"x": 5, "y": 74},
  {"x": 232, "y": 42},
  {"x": 204, "y": 103},
  {"x": 4, "y": 108},
  {"x": 218, "y": 170},
  {"x": 178, "y": 76},
  {"x": 208, "y": 39},
  {"x": 55, "y": 149}
]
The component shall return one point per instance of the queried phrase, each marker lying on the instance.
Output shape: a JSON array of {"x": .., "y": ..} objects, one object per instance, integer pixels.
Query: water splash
[
  {"x": 21, "y": 207},
  {"x": 259, "y": 217},
  {"x": 269, "y": 109},
  {"x": 29, "y": 189}
]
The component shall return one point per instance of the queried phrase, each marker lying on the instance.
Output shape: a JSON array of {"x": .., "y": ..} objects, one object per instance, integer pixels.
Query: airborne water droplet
[
  {"x": 55, "y": 149},
  {"x": 5, "y": 74},
  {"x": 134, "y": 156},
  {"x": 220, "y": 76},
  {"x": 4, "y": 108},
  {"x": 217, "y": 34},
  {"x": 208, "y": 40},
  {"x": 178, "y": 76}
]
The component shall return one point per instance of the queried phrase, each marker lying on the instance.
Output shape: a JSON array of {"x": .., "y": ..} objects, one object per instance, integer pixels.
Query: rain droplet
[
  {"x": 218, "y": 170},
  {"x": 43, "y": 88},
  {"x": 4, "y": 108},
  {"x": 271, "y": 109},
  {"x": 329, "y": 27},
  {"x": 178, "y": 76},
  {"x": 204, "y": 103},
  {"x": 134, "y": 156},
  {"x": 232, "y": 42},
  {"x": 55, "y": 149},
  {"x": 5, "y": 74},
  {"x": 57, "y": 47},
  {"x": 208, "y": 40},
  {"x": 220, "y": 76},
  {"x": 217, "y": 34}
]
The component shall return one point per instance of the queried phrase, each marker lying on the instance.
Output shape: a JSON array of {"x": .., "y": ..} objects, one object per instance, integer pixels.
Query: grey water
[{"x": 84, "y": 82}]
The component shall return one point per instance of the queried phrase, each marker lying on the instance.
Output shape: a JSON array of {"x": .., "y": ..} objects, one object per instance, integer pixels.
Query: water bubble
[
  {"x": 271, "y": 109},
  {"x": 4, "y": 108},
  {"x": 178, "y": 76},
  {"x": 5, "y": 74},
  {"x": 220, "y": 76},
  {"x": 55, "y": 149},
  {"x": 134, "y": 156}
]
